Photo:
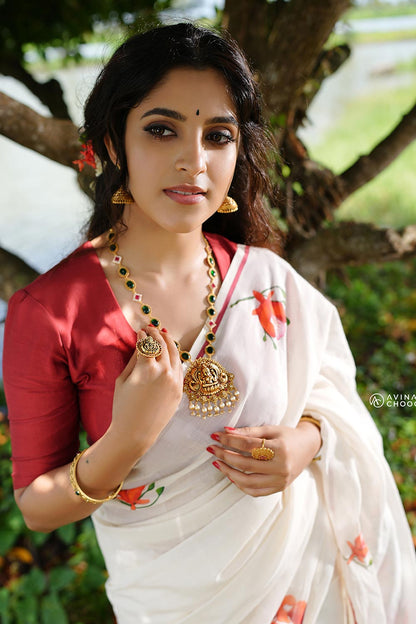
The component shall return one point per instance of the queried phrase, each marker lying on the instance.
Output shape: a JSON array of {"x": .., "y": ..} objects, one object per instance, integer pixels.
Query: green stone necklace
[{"x": 208, "y": 385}]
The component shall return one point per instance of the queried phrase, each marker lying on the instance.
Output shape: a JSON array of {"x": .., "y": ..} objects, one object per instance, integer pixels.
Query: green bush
[
  {"x": 377, "y": 306},
  {"x": 46, "y": 578}
]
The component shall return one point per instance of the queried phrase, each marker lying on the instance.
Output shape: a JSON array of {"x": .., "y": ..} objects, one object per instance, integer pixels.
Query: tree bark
[
  {"x": 14, "y": 274},
  {"x": 283, "y": 40},
  {"x": 349, "y": 243},
  {"x": 323, "y": 191},
  {"x": 49, "y": 93},
  {"x": 56, "y": 139}
]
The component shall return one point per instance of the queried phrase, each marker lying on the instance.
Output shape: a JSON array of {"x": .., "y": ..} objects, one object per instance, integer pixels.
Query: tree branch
[
  {"x": 54, "y": 138},
  {"x": 350, "y": 243},
  {"x": 369, "y": 166},
  {"x": 14, "y": 274},
  {"x": 50, "y": 93}
]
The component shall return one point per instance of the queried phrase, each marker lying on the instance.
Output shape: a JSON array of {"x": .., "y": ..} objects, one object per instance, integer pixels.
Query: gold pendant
[{"x": 210, "y": 388}]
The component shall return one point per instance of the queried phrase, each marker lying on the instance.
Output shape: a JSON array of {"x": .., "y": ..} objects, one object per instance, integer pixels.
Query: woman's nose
[{"x": 192, "y": 158}]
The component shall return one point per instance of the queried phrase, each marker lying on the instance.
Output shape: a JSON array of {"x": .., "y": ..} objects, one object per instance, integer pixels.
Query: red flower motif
[
  {"x": 269, "y": 311},
  {"x": 290, "y": 611},
  {"x": 87, "y": 156},
  {"x": 359, "y": 549},
  {"x": 132, "y": 497}
]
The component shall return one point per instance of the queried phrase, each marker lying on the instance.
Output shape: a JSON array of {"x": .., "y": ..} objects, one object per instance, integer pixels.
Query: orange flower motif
[
  {"x": 133, "y": 496},
  {"x": 271, "y": 314},
  {"x": 290, "y": 611},
  {"x": 87, "y": 156},
  {"x": 359, "y": 549}
]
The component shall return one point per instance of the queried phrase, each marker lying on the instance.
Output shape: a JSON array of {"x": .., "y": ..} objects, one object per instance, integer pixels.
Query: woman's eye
[
  {"x": 220, "y": 138},
  {"x": 159, "y": 131}
]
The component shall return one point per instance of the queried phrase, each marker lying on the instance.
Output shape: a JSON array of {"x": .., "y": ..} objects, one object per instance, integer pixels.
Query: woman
[{"x": 167, "y": 336}]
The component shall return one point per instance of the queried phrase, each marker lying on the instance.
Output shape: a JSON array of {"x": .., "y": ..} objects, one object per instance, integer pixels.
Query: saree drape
[{"x": 183, "y": 545}]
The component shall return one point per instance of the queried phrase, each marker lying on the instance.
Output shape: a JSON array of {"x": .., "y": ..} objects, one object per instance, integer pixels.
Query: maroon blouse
[{"x": 66, "y": 341}]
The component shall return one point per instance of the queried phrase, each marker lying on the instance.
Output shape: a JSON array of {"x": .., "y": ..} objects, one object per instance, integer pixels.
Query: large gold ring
[
  {"x": 263, "y": 453},
  {"x": 148, "y": 347}
]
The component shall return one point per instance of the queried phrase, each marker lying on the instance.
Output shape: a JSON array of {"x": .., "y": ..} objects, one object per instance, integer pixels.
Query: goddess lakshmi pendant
[{"x": 210, "y": 388}]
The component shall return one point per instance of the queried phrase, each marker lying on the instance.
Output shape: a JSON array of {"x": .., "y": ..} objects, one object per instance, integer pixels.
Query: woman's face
[{"x": 181, "y": 145}]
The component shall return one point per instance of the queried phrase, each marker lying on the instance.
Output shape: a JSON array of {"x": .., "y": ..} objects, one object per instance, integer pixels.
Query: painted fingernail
[
  {"x": 230, "y": 428},
  {"x": 215, "y": 437},
  {"x": 216, "y": 464},
  {"x": 164, "y": 330},
  {"x": 210, "y": 450}
]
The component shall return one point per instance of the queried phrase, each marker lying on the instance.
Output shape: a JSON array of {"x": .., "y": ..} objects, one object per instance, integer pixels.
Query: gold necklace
[{"x": 208, "y": 385}]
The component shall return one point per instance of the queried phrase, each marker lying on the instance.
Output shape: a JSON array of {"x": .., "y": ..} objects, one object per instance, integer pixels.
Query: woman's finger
[
  {"x": 171, "y": 349},
  {"x": 242, "y": 443},
  {"x": 244, "y": 463},
  {"x": 253, "y": 484}
]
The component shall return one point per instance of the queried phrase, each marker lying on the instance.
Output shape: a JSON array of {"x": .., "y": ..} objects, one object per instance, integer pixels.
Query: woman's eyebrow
[
  {"x": 166, "y": 112},
  {"x": 220, "y": 120}
]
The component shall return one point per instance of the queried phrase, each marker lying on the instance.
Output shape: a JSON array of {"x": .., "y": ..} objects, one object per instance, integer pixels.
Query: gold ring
[
  {"x": 263, "y": 453},
  {"x": 148, "y": 347}
]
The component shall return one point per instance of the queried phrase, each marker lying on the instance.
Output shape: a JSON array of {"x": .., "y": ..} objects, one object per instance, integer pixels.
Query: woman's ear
[{"x": 110, "y": 149}]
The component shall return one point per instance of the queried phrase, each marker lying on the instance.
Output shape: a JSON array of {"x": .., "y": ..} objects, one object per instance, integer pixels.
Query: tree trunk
[
  {"x": 283, "y": 40},
  {"x": 14, "y": 274}
]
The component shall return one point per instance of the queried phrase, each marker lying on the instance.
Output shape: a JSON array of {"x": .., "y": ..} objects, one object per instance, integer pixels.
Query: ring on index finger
[
  {"x": 149, "y": 347},
  {"x": 263, "y": 453}
]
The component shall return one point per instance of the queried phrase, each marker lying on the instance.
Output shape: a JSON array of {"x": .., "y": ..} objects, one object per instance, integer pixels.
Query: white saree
[{"x": 184, "y": 545}]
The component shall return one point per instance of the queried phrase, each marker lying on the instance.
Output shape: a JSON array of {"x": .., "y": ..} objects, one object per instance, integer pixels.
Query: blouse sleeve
[{"x": 41, "y": 398}]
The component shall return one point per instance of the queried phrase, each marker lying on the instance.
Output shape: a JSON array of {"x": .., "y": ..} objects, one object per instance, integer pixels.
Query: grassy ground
[
  {"x": 378, "y": 9},
  {"x": 390, "y": 199}
]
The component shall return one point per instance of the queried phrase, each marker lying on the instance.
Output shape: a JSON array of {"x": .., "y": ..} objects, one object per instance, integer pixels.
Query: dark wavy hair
[{"x": 138, "y": 65}]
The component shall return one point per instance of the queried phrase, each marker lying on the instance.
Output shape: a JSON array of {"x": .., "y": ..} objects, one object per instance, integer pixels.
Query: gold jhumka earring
[
  {"x": 121, "y": 196},
  {"x": 228, "y": 205}
]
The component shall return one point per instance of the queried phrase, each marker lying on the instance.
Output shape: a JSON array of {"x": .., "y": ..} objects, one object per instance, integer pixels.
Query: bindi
[{"x": 197, "y": 111}]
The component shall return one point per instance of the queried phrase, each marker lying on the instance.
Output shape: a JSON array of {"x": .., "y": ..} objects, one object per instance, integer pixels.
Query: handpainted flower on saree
[
  {"x": 359, "y": 552},
  {"x": 290, "y": 611},
  {"x": 270, "y": 312},
  {"x": 271, "y": 315},
  {"x": 134, "y": 496}
]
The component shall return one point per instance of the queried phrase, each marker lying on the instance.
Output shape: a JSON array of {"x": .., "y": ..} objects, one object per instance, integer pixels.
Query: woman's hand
[
  {"x": 147, "y": 394},
  {"x": 294, "y": 449}
]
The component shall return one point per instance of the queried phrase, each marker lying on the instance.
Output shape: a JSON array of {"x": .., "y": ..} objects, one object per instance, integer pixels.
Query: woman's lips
[{"x": 185, "y": 194}]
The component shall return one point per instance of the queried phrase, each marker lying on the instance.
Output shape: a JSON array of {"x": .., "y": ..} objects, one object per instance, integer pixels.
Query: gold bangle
[
  {"x": 311, "y": 419},
  {"x": 314, "y": 421},
  {"x": 79, "y": 492}
]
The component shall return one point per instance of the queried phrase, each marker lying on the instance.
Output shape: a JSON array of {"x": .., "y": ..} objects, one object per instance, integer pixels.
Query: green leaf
[
  {"x": 7, "y": 539},
  {"x": 36, "y": 581},
  {"x": 27, "y": 610},
  {"x": 4, "y": 605},
  {"x": 94, "y": 578},
  {"x": 297, "y": 187},
  {"x": 67, "y": 533},
  {"x": 39, "y": 538},
  {"x": 150, "y": 487},
  {"x": 160, "y": 490},
  {"x": 52, "y": 611},
  {"x": 61, "y": 577}
]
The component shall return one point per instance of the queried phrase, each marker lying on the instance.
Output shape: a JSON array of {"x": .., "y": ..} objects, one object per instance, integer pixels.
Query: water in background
[{"x": 41, "y": 207}]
